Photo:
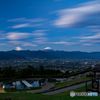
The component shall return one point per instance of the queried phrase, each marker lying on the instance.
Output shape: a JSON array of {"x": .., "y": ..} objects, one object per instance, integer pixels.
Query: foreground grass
[
  {"x": 30, "y": 96},
  {"x": 81, "y": 89},
  {"x": 72, "y": 82}
]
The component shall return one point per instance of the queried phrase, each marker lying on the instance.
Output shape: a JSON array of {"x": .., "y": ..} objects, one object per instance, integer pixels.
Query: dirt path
[{"x": 2, "y": 90}]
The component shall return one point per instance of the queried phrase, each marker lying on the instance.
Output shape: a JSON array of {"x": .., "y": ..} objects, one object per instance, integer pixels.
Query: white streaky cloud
[
  {"x": 87, "y": 44},
  {"x": 15, "y": 42},
  {"x": 22, "y": 43},
  {"x": 17, "y": 35},
  {"x": 17, "y": 19},
  {"x": 40, "y": 40},
  {"x": 37, "y": 20},
  {"x": 26, "y": 25},
  {"x": 21, "y": 25},
  {"x": 29, "y": 20},
  {"x": 39, "y": 33},
  {"x": 57, "y": 0},
  {"x": 90, "y": 39},
  {"x": 70, "y": 17},
  {"x": 2, "y": 36},
  {"x": 40, "y": 37},
  {"x": 26, "y": 22},
  {"x": 1, "y": 31},
  {"x": 63, "y": 43},
  {"x": 27, "y": 44},
  {"x": 2, "y": 44},
  {"x": 18, "y": 48},
  {"x": 96, "y": 36}
]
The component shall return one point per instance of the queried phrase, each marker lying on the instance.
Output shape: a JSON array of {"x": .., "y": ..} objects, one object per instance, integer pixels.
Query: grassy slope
[
  {"x": 72, "y": 82},
  {"x": 30, "y": 96},
  {"x": 82, "y": 89}
]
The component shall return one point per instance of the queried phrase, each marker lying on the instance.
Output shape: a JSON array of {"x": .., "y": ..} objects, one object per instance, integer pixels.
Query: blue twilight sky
[{"x": 71, "y": 25}]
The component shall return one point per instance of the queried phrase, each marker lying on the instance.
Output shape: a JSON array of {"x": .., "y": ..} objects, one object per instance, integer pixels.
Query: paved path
[
  {"x": 44, "y": 88},
  {"x": 65, "y": 89}
]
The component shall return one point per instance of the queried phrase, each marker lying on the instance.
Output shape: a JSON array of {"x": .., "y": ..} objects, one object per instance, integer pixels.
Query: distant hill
[{"x": 48, "y": 54}]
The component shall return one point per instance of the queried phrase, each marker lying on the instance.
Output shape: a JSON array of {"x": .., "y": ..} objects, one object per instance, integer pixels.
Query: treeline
[
  {"x": 28, "y": 72},
  {"x": 7, "y": 73}
]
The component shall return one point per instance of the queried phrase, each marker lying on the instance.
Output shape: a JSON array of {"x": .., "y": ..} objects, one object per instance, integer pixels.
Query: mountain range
[{"x": 47, "y": 54}]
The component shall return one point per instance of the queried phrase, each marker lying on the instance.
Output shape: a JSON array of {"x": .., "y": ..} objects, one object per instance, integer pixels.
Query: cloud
[
  {"x": 25, "y": 25},
  {"x": 40, "y": 36},
  {"x": 81, "y": 15},
  {"x": 29, "y": 20},
  {"x": 17, "y": 38},
  {"x": 28, "y": 44},
  {"x": 91, "y": 38},
  {"x": 40, "y": 40},
  {"x": 22, "y": 43},
  {"x": 17, "y": 35},
  {"x": 21, "y": 26},
  {"x": 25, "y": 39},
  {"x": 57, "y": 0},
  {"x": 39, "y": 33},
  {"x": 43, "y": 41},
  {"x": 96, "y": 36},
  {"x": 87, "y": 44},
  {"x": 17, "y": 19},
  {"x": 26, "y": 22},
  {"x": 63, "y": 43},
  {"x": 2, "y": 37},
  {"x": 2, "y": 44},
  {"x": 18, "y": 48}
]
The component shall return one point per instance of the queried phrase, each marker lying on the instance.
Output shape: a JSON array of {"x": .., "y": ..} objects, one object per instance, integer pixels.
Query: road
[
  {"x": 65, "y": 89},
  {"x": 44, "y": 88}
]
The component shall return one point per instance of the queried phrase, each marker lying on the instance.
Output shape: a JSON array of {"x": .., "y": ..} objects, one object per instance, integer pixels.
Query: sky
[{"x": 69, "y": 25}]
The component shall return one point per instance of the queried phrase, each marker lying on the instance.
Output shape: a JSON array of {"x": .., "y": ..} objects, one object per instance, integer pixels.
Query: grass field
[
  {"x": 30, "y": 96},
  {"x": 82, "y": 89},
  {"x": 72, "y": 82}
]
